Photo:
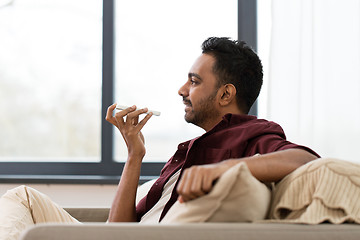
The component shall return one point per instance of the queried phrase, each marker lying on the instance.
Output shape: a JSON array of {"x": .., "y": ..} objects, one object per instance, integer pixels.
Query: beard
[{"x": 205, "y": 111}]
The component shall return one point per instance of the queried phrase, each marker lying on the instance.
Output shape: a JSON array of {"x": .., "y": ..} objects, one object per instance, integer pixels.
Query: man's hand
[
  {"x": 130, "y": 128},
  {"x": 197, "y": 181}
]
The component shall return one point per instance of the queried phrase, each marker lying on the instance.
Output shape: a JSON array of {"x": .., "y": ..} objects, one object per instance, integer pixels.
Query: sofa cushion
[
  {"x": 236, "y": 197},
  {"x": 324, "y": 190},
  {"x": 143, "y": 189}
]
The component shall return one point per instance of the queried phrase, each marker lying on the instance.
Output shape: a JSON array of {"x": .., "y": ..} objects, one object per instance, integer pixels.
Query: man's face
[{"x": 200, "y": 93}]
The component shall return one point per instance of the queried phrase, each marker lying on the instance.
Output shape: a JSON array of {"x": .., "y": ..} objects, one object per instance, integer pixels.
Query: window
[
  {"x": 58, "y": 82},
  {"x": 156, "y": 44},
  {"x": 50, "y": 88}
]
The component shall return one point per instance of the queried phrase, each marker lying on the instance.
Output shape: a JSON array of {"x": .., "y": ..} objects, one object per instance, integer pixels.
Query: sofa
[
  {"x": 317, "y": 201},
  {"x": 199, "y": 231}
]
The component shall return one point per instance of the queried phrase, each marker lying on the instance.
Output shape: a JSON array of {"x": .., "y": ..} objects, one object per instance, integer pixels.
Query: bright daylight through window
[
  {"x": 155, "y": 48},
  {"x": 50, "y": 80}
]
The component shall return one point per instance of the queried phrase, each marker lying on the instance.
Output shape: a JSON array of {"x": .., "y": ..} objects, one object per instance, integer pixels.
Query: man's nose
[{"x": 182, "y": 91}]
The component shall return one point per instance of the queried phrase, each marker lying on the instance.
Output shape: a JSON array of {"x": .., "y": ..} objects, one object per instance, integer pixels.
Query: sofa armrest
[
  {"x": 89, "y": 214},
  {"x": 101, "y": 214},
  {"x": 208, "y": 231}
]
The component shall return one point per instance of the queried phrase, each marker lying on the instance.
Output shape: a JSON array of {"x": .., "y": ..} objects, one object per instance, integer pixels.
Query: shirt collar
[{"x": 229, "y": 120}]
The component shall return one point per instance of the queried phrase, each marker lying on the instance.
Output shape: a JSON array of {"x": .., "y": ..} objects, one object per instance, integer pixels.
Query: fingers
[
  {"x": 185, "y": 188},
  {"x": 195, "y": 182},
  {"x": 142, "y": 123},
  {"x": 109, "y": 114},
  {"x": 127, "y": 122},
  {"x": 131, "y": 114},
  {"x": 118, "y": 118},
  {"x": 132, "y": 119}
]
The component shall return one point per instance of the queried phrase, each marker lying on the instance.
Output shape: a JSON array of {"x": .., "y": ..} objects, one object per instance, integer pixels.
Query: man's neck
[{"x": 211, "y": 124}]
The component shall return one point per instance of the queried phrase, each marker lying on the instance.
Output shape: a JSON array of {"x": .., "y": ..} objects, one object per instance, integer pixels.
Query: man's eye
[{"x": 192, "y": 81}]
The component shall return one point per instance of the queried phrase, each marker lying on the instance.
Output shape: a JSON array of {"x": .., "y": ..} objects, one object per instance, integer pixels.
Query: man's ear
[{"x": 227, "y": 94}]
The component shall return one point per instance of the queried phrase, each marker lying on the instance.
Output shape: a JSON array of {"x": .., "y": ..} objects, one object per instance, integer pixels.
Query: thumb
[{"x": 180, "y": 199}]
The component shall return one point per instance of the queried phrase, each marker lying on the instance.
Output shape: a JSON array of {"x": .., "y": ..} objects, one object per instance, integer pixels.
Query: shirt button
[
  {"x": 176, "y": 160},
  {"x": 156, "y": 184}
]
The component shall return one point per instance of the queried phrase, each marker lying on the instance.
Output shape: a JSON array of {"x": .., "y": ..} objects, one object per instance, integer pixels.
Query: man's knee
[
  {"x": 15, "y": 214},
  {"x": 19, "y": 189},
  {"x": 16, "y": 194},
  {"x": 23, "y": 195}
]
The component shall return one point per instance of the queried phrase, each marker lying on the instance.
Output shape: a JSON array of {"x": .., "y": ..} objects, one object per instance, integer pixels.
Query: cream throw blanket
[{"x": 324, "y": 190}]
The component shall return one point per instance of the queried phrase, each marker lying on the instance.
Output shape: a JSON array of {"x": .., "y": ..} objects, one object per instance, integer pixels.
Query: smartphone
[{"x": 122, "y": 107}]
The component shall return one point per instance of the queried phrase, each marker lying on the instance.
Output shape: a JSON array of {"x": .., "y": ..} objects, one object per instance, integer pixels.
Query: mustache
[{"x": 186, "y": 101}]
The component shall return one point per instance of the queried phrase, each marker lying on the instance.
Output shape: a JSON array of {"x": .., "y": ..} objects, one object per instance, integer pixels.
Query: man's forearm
[
  {"x": 123, "y": 206},
  {"x": 272, "y": 167},
  {"x": 197, "y": 181}
]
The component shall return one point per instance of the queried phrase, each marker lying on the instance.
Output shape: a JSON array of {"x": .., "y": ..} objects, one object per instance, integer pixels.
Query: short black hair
[{"x": 238, "y": 64}]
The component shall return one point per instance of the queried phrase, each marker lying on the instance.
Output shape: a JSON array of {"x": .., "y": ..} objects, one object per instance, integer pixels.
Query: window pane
[
  {"x": 156, "y": 44},
  {"x": 50, "y": 80}
]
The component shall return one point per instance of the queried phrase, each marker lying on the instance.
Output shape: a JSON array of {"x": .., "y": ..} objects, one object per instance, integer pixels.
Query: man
[{"x": 222, "y": 85}]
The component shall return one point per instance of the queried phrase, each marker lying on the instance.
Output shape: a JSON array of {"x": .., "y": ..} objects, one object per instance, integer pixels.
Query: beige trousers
[{"x": 23, "y": 206}]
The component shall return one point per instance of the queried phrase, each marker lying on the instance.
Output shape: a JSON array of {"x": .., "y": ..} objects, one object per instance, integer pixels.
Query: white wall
[{"x": 311, "y": 56}]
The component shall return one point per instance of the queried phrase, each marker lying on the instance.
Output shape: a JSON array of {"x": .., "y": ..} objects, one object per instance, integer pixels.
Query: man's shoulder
[{"x": 253, "y": 123}]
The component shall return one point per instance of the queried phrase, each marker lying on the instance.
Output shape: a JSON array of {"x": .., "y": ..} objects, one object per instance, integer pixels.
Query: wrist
[
  {"x": 231, "y": 162},
  {"x": 136, "y": 153},
  {"x": 135, "y": 157}
]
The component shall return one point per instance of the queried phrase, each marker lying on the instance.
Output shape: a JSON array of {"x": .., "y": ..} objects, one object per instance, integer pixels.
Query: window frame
[{"x": 107, "y": 171}]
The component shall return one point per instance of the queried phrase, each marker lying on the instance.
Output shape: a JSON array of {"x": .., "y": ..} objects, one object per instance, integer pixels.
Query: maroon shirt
[{"x": 236, "y": 136}]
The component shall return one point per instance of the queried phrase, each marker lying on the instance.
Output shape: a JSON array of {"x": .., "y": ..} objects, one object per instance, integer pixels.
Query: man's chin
[{"x": 188, "y": 118}]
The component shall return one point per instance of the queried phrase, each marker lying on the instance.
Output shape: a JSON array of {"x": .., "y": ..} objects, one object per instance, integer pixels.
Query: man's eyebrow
[{"x": 191, "y": 74}]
